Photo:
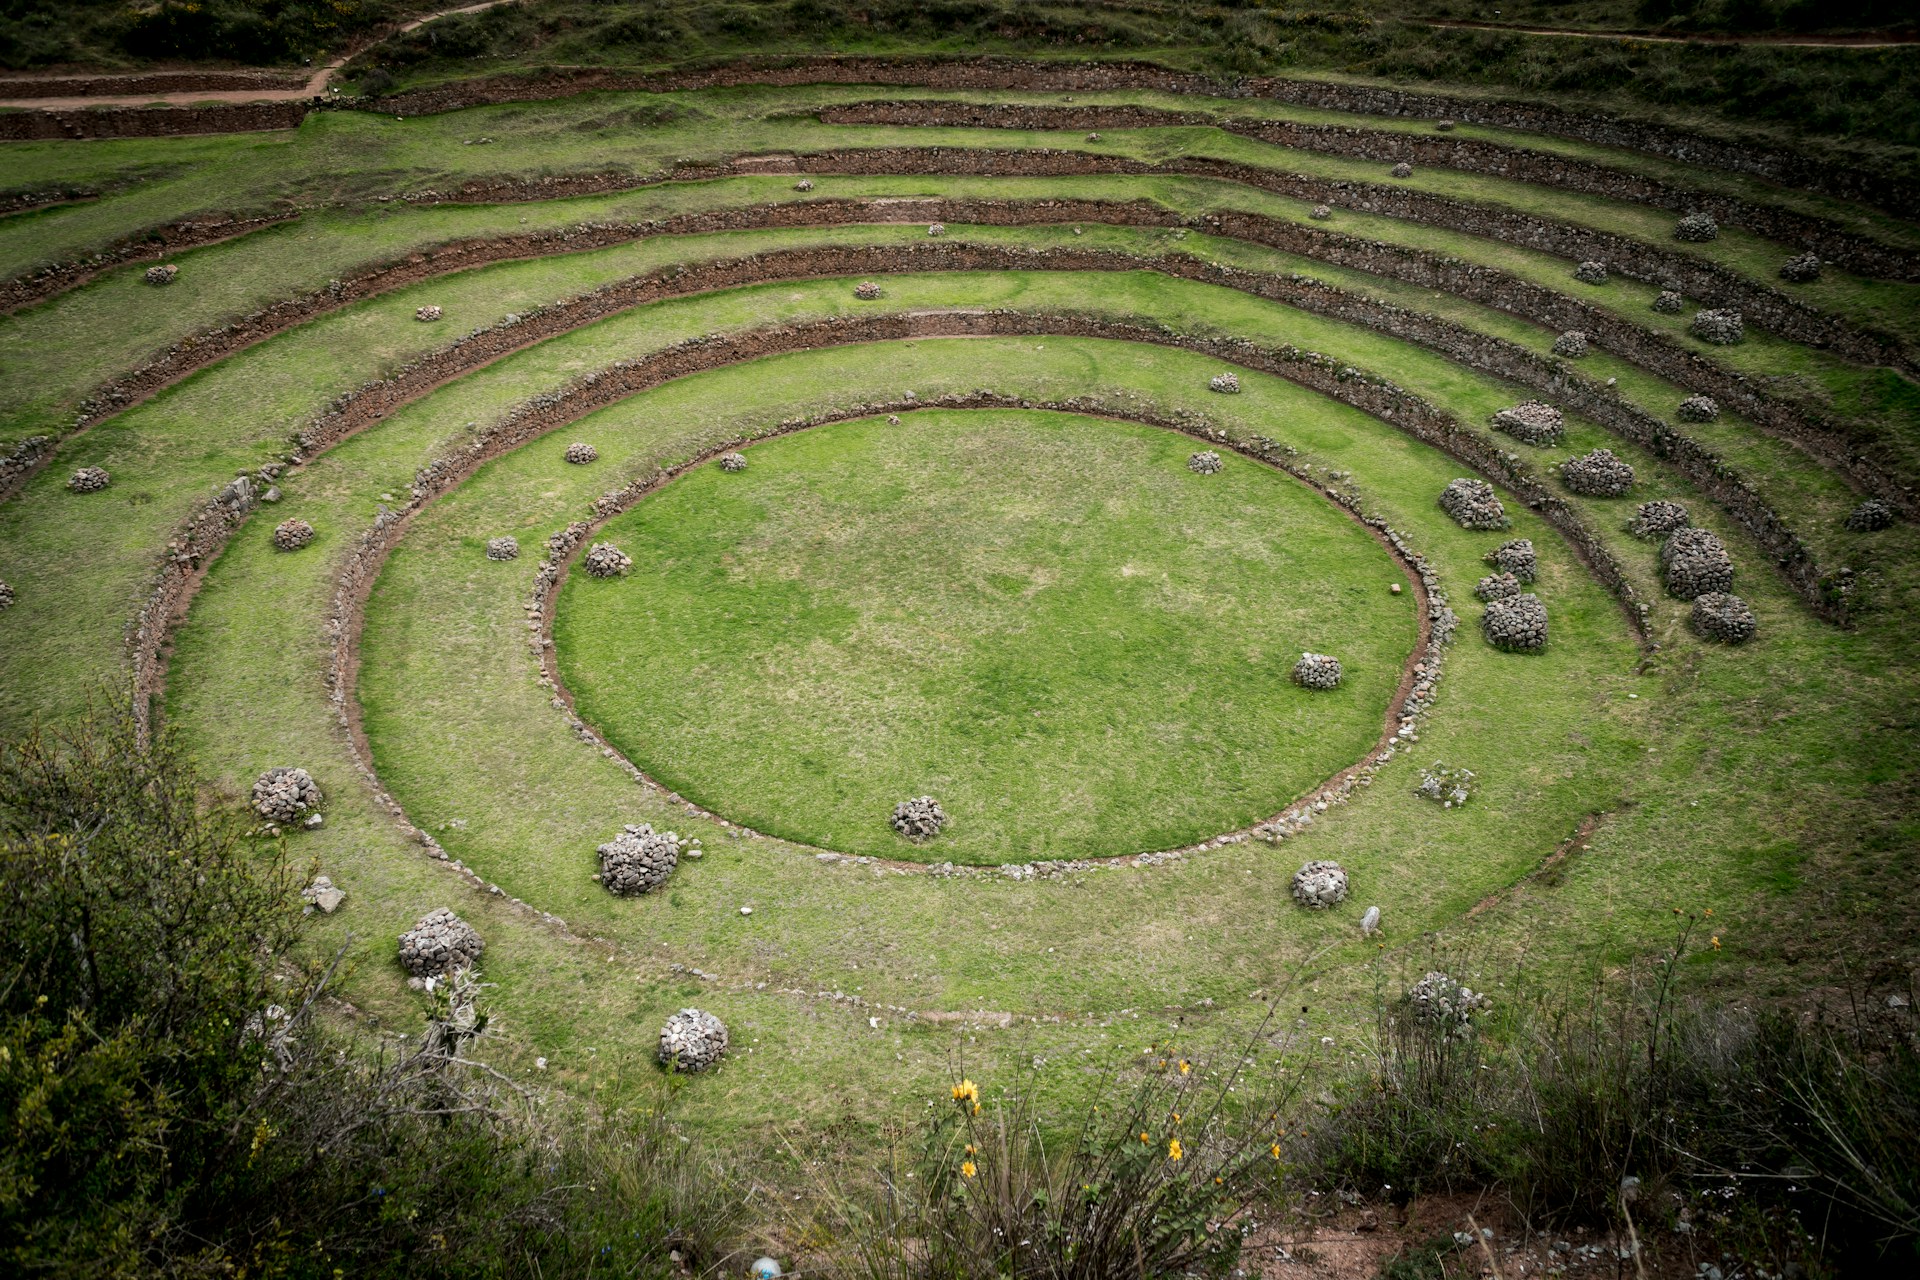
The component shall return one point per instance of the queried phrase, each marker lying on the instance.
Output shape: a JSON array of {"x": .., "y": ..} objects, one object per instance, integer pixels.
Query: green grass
[{"x": 1077, "y": 644}]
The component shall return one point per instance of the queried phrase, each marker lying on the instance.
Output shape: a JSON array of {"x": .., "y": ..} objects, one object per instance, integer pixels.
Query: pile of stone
[
  {"x": 1572, "y": 344},
  {"x": 1694, "y": 563},
  {"x": 805, "y": 184},
  {"x": 1722, "y": 616},
  {"x": 6, "y": 596},
  {"x": 580, "y": 453},
  {"x": 89, "y": 480},
  {"x": 502, "y": 548},
  {"x": 1669, "y": 303},
  {"x": 1696, "y": 228},
  {"x": 1657, "y": 519},
  {"x": 638, "y": 860},
  {"x": 1497, "y": 586},
  {"x": 1472, "y": 504},
  {"x": 937, "y": 229},
  {"x": 1401, "y": 170},
  {"x": 323, "y": 895},
  {"x": 1698, "y": 409},
  {"x": 1319, "y": 885},
  {"x": 1437, "y": 998},
  {"x": 1803, "y": 269},
  {"x": 1872, "y": 516},
  {"x": 1317, "y": 671},
  {"x": 1227, "y": 384},
  {"x": 291, "y": 535},
  {"x": 162, "y": 275},
  {"x": 1447, "y": 787},
  {"x": 867, "y": 290},
  {"x": 439, "y": 944},
  {"x": 1531, "y": 422},
  {"x": 1205, "y": 463},
  {"x": 285, "y": 794},
  {"x": 1517, "y": 624},
  {"x": 1093, "y": 137},
  {"x": 733, "y": 462},
  {"x": 604, "y": 560},
  {"x": 1722, "y": 328},
  {"x": 428, "y": 314},
  {"x": 1598, "y": 475},
  {"x": 1515, "y": 557},
  {"x": 1320, "y": 212},
  {"x": 1591, "y": 273},
  {"x": 692, "y": 1040},
  {"x": 919, "y": 819}
]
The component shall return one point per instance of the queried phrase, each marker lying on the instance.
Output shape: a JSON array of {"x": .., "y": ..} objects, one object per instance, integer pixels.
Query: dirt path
[
  {"x": 315, "y": 86},
  {"x": 1876, "y": 40}
]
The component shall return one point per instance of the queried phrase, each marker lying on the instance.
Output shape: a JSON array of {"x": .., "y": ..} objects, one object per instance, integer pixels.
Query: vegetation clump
[
  {"x": 1473, "y": 504},
  {"x": 692, "y": 1040},
  {"x": 1517, "y": 624},
  {"x": 1599, "y": 474},
  {"x": 638, "y": 860},
  {"x": 1695, "y": 562},
  {"x": 1718, "y": 615},
  {"x": 1319, "y": 885}
]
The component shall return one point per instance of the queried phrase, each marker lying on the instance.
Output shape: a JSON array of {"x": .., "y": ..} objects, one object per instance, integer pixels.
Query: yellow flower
[
  {"x": 967, "y": 1091},
  {"x": 972, "y": 1150},
  {"x": 1173, "y": 1149},
  {"x": 967, "y": 1169},
  {"x": 1185, "y": 1066},
  {"x": 1145, "y": 1136},
  {"x": 1275, "y": 1149},
  {"x": 1716, "y": 942},
  {"x": 1709, "y": 910},
  {"x": 1176, "y": 1117}
]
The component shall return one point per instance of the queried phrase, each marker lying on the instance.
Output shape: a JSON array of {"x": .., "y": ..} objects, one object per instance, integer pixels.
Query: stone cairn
[
  {"x": 1722, "y": 328},
  {"x": 1517, "y": 558},
  {"x": 604, "y": 560},
  {"x": 1591, "y": 273},
  {"x": 1802, "y": 269},
  {"x": 937, "y": 229},
  {"x": 1669, "y": 302},
  {"x": 1401, "y": 170},
  {"x": 692, "y": 1040},
  {"x": 1320, "y": 212},
  {"x": 285, "y": 794},
  {"x": 502, "y": 548},
  {"x": 1696, "y": 228},
  {"x": 638, "y": 860},
  {"x": 1472, "y": 504},
  {"x": 1871, "y": 516},
  {"x": 1093, "y": 137},
  {"x": 1722, "y": 616},
  {"x": 1317, "y": 671},
  {"x": 1657, "y": 519},
  {"x": 162, "y": 275},
  {"x": 1448, "y": 787},
  {"x": 1227, "y": 384},
  {"x": 1437, "y": 998},
  {"x": 580, "y": 453},
  {"x": 733, "y": 462},
  {"x": 867, "y": 291},
  {"x": 291, "y": 535},
  {"x": 1497, "y": 586},
  {"x": 1204, "y": 463},
  {"x": 805, "y": 184},
  {"x": 1531, "y": 422},
  {"x": 1698, "y": 409},
  {"x": 1572, "y": 344},
  {"x": 1517, "y": 624},
  {"x": 919, "y": 819},
  {"x": 89, "y": 480},
  {"x": 1319, "y": 885},
  {"x": 428, "y": 315},
  {"x": 1598, "y": 475},
  {"x": 6, "y": 596},
  {"x": 440, "y": 943},
  {"x": 1694, "y": 563}
]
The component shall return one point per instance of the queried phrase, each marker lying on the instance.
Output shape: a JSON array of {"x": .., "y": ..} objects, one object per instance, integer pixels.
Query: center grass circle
[{"x": 1045, "y": 621}]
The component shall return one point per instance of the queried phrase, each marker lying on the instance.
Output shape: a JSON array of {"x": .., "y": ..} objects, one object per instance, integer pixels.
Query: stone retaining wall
[{"x": 152, "y": 122}]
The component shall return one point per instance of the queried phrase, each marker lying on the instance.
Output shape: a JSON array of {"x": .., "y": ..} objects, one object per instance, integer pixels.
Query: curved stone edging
[{"x": 137, "y": 246}]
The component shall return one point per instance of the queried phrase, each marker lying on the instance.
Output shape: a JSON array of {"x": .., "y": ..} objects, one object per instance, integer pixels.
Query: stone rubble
[
  {"x": 1449, "y": 787},
  {"x": 1721, "y": 616},
  {"x": 440, "y": 943},
  {"x": 1517, "y": 624},
  {"x": 937, "y": 229},
  {"x": 323, "y": 895},
  {"x": 1531, "y": 422},
  {"x": 1669, "y": 303},
  {"x": 1401, "y": 170},
  {"x": 1319, "y": 885},
  {"x": 692, "y": 1040},
  {"x": 604, "y": 560},
  {"x": 1320, "y": 212},
  {"x": 1871, "y": 516},
  {"x": 1698, "y": 409},
  {"x": 1517, "y": 558},
  {"x": 1696, "y": 228},
  {"x": 6, "y": 596},
  {"x": 428, "y": 315},
  {"x": 1473, "y": 504},
  {"x": 1227, "y": 384},
  {"x": 919, "y": 819},
  {"x": 733, "y": 462},
  {"x": 505, "y": 548},
  {"x": 1572, "y": 344},
  {"x": 1694, "y": 562},
  {"x": 89, "y": 480},
  {"x": 580, "y": 453},
  {"x": 1205, "y": 463},
  {"x": 867, "y": 290},
  {"x": 1317, "y": 671},
  {"x": 1657, "y": 519},
  {"x": 1438, "y": 998},
  {"x": 1598, "y": 475},
  {"x": 1591, "y": 273},
  {"x": 291, "y": 535},
  {"x": 285, "y": 794},
  {"x": 1801, "y": 269},
  {"x": 1497, "y": 586},
  {"x": 162, "y": 275},
  {"x": 638, "y": 860},
  {"x": 805, "y": 184},
  {"x": 1722, "y": 328}
]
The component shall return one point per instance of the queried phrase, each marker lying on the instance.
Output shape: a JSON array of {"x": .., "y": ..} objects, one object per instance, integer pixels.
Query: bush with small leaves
[
  {"x": 438, "y": 944},
  {"x": 1448, "y": 787},
  {"x": 604, "y": 560},
  {"x": 1803, "y": 269},
  {"x": 1205, "y": 463},
  {"x": 162, "y": 275},
  {"x": 427, "y": 314},
  {"x": 919, "y": 819},
  {"x": 1598, "y": 475},
  {"x": 580, "y": 453},
  {"x": 1657, "y": 519},
  {"x": 1669, "y": 303},
  {"x": 291, "y": 535},
  {"x": 1497, "y": 586},
  {"x": 502, "y": 548},
  {"x": 1401, "y": 170},
  {"x": 1698, "y": 409},
  {"x": 1531, "y": 422},
  {"x": 1227, "y": 384},
  {"x": 1872, "y": 516},
  {"x": 1722, "y": 328},
  {"x": 692, "y": 1041},
  {"x": 867, "y": 291},
  {"x": 1437, "y": 998},
  {"x": 1320, "y": 212},
  {"x": 805, "y": 184},
  {"x": 1473, "y": 504},
  {"x": 89, "y": 480},
  {"x": 1317, "y": 671},
  {"x": 1695, "y": 562},
  {"x": 638, "y": 860},
  {"x": 1721, "y": 616},
  {"x": 1319, "y": 885},
  {"x": 1572, "y": 344},
  {"x": 1696, "y": 228},
  {"x": 1515, "y": 557},
  {"x": 1517, "y": 624},
  {"x": 1591, "y": 273}
]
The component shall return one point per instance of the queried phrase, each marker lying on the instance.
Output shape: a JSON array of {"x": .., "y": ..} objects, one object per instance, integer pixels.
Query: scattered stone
[
  {"x": 919, "y": 819},
  {"x": 291, "y": 535},
  {"x": 1445, "y": 786},
  {"x": 1531, "y": 422},
  {"x": 1722, "y": 328},
  {"x": 937, "y": 229},
  {"x": 1445, "y": 126},
  {"x": 1438, "y": 998},
  {"x": 1205, "y": 463},
  {"x": 733, "y": 462},
  {"x": 439, "y": 944},
  {"x": 1872, "y": 516},
  {"x": 1370, "y": 922},
  {"x": 1591, "y": 273},
  {"x": 1696, "y": 228},
  {"x": 428, "y": 314},
  {"x": 323, "y": 895},
  {"x": 867, "y": 291},
  {"x": 1317, "y": 671},
  {"x": 162, "y": 275},
  {"x": 1516, "y": 557},
  {"x": 1698, "y": 409},
  {"x": 1093, "y": 137},
  {"x": 638, "y": 860},
  {"x": 580, "y": 453},
  {"x": 1227, "y": 384},
  {"x": 1722, "y": 616},
  {"x": 1669, "y": 303},
  {"x": 1657, "y": 519},
  {"x": 1320, "y": 212},
  {"x": 692, "y": 1040},
  {"x": 502, "y": 548},
  {"x": 285, "y": 794},
  {"x": 1473, "y": 505},
  {"x": 1572, "y": 344},
  {"x": 1319, "y": 885},
  {"x": 805, "y": 184},
  {"x": 1497, "y": 586},
  {"x": 89, "y": 480},
  {"x": 6, "y": 596},
  {"x": 1695, "y": 562},
  {"x": 1598, "y": 475},
  {"x": 604, "y": 560},
  {"x": 1401, "y": 170},
  {"x": 1517, "y": 624},
  {"x": 1804, "y": 269}
]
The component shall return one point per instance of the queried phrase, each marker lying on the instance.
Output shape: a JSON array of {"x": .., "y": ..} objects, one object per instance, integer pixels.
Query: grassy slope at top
[{"x": 1078, "y": 645}]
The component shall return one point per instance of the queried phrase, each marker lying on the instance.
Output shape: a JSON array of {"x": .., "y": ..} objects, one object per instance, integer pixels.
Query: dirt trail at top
[
  {"x": 315, "y": 86},
  {"x": 1873, "y": 40}
]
